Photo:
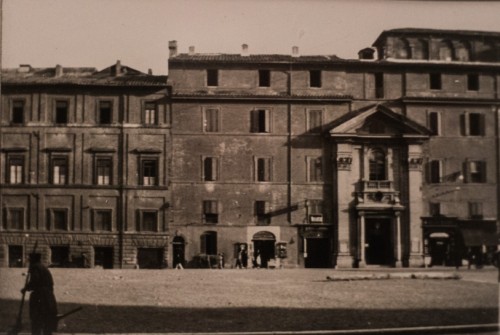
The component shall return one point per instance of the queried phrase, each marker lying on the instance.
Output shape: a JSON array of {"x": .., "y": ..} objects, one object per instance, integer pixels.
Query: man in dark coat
[{"x": 43, "y": 306}]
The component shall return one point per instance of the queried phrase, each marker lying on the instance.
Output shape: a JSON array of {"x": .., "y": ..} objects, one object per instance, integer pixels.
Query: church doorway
[{"x": 378, "y": 241}]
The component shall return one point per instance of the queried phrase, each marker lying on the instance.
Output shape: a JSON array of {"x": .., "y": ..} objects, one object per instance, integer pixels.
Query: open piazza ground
[{"x": 230, "y": 300}]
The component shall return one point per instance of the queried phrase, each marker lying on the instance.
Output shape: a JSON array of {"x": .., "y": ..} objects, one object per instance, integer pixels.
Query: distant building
[
  {"x": 345, "y": 163},
  {"x": 306, "y": 161},
  {"x": 83, "y": 166}
]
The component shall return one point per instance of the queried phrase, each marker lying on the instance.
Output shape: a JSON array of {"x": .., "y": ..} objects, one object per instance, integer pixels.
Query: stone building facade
[
  {"x": 307, "y": 161},
  {"x": 84, "y": 157},
  {"x": 391, "y": 159}
]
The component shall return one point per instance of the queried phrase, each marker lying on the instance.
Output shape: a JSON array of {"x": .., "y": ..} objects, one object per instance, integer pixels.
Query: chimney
[
  {"x": 150, "y": 72},
  {"x": 244, "y": 50},
  {"x": 59, "y": 71},
  {"x": 24, "y": 68},
  {"x": 172, "y": 47},
  {"x": 118, "y": 68},
  {"x": 295, "y": 51},
  {"x": 191, "y": 50}
]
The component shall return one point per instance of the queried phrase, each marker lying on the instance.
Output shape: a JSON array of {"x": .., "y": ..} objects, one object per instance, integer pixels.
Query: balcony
[{"x": 377, "y": 194}]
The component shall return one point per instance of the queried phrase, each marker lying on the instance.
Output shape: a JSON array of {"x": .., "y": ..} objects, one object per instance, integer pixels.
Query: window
[
  {"x": 102, "y": 220},
  {"x": 261, "y": 121},
  {"x": 212, "y": 77},
  {"x": 473, "y": 82},
  {"x": 211, "y": 120},
  {"x": 475, "y": 210},
  {"x": 148, "y": 221},
  {"x": 264, "y": 78},
  {"x": 150, "y": 115},
  {"x": 261, "y": 213},
  {"x": 379, "y": 85},
  {"x": 434, "y": 208},
  {"x": 315, "y": 78},
  {"x": 435, "y": 81},
  {"x": 315, "y": 119},
  {"x": 315, "y": 210},
  {"x": 435, "y": 171},
  {"x": 472, "y": 124},
  {"x": 210, "y": 168},
  {"x": 57, "y": 219},
  {"x": 149, "y": 172},
  {"x": 14, "y": 218},
  {"x": 208, "y": 243},
  {"x": 105, "y": 112},
  {"x": 210, "y": 211},
  {"x": 59, "y": 170},
  {"x": 17, "y": 112},
  {"x": 263, "y": 169},
  {"x": 315, "y": 169},
  {"x": 103, "y": 171},
  {"x": 475, "y": 172},
  {"x": 15, "y": 170},
  {"x": 434, "y": 123},
  {"x": 61, "y": 112},
  {"x": 377, "y": 165}
]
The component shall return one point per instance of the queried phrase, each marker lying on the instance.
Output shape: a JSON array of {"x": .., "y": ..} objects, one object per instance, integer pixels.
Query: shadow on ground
[{"x": 135, "y": 319}]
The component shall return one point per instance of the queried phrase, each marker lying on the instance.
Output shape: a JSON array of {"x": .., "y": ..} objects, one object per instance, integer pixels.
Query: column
[
  {"x": 361, "y": 239},
  {"x": 416, "y": 208},
  {"x": 398, "y": 240}
]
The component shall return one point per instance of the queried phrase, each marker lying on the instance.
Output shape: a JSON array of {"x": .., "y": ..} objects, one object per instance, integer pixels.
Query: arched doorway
[
  {"x": 263, "y": 243},
  {"x": 178, "y": 249}
]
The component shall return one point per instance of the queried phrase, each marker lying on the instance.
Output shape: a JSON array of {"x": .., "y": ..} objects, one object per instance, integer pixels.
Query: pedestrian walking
[{"x": 43, "y": 306}]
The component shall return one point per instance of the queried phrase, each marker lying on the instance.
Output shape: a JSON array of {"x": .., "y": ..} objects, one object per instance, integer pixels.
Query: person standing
[{"x": 43, "y": 305}]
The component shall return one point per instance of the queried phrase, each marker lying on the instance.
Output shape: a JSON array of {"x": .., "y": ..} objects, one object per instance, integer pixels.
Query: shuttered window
[
  {"x": 260, "y": 121},
  {"x": 262, "y": 213},
  {"x": 315, "y": 118},
  {"x": 211, "y": 120},
  {"x": 315, "y": 165},
  {"x": 475, "y": 171},
  {"x": 263, "y": 169},
  {"x": 210, "y": 211},
  {"x": 210, "y": 168}
]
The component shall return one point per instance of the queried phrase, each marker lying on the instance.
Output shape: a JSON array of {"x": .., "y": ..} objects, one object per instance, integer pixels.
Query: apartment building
[
  {"x": 83, "y": 167},
  {"x": 316, "y": 161}
]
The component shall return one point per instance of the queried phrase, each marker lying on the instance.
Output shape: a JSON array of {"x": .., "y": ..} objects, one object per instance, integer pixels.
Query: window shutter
[
  {"x": 215, "y": 169},
  {"x": 267, "y": 169},
  {"x": 49, "y": 219},
  {"x": 463, "y": 124},
  {"x": 482, "y": 169},
  {"x": 254, "y": 120},
  {"x": 267, "y": 121},
  {"x": 138, "y": 220},
  {"x": 466, "y": 171},
  {"x": 482, "y": 125}
]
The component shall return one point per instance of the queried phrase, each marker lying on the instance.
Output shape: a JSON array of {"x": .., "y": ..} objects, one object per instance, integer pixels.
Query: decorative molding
[{"x": 415, "y": 162}]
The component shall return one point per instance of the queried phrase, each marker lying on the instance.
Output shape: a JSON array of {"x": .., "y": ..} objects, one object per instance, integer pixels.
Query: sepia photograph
[{"x": 302, "y": 167}]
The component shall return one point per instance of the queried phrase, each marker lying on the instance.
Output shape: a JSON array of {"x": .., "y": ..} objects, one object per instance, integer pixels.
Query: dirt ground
[{"x": 254, "y": 300}]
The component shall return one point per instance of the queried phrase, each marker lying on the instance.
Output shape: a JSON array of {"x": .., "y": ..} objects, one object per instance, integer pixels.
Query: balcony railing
[{"x": 378, "y": 191}]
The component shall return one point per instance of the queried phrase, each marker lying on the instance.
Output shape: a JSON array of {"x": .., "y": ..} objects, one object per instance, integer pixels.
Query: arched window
[
  {"x": 445, "y": 51},
  {"x": 208, "y": 243},
  {"x": 402, "y": 49},
  {"x": 377, "y": 165},
  {"x": 421, "y": 50},
  {"x": 462, "y": 51}
]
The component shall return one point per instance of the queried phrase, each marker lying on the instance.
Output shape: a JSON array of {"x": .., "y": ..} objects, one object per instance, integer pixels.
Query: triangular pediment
[{"x": 376, "y": 121}]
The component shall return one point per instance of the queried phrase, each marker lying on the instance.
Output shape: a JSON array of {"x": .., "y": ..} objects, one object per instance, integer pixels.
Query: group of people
[{"x": 242, "y": 259}]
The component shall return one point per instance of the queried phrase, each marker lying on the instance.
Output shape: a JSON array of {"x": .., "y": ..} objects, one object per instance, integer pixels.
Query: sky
[{"x": 97, "y": 33}]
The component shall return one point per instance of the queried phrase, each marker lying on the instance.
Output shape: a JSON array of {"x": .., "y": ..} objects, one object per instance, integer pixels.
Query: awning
[{"x": 478, "y": 237}]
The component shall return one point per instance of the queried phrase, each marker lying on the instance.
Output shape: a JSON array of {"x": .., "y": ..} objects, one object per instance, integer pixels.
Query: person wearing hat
[{"x": 43, "y": 306}]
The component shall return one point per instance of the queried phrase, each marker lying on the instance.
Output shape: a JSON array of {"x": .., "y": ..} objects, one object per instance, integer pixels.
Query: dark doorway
[
  {"x": 103, "y": 257},
  {"x": 178, "y": 251},
  {"x": 59, "y": 257},
  {"x": 150, "y": 258},
  {"x": 439, "y": 250},
  {"x": 318, "y": 253},
  {"x": 263, "y": 243},
  {"x": 379, "y": 247},
  {"x": 15, "y": 256}
]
